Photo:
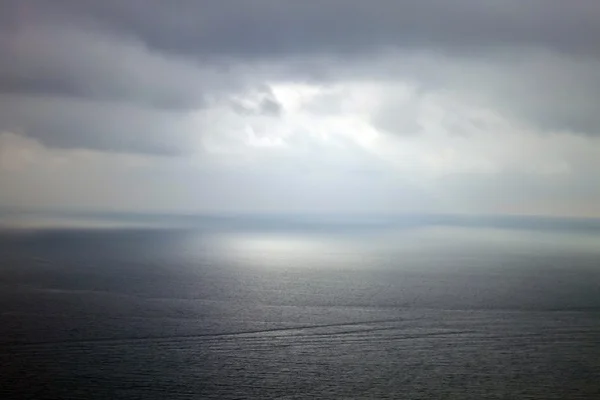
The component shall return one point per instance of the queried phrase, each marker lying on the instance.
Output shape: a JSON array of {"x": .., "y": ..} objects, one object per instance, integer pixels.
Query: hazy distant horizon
[{"x": 48, "y": 219}]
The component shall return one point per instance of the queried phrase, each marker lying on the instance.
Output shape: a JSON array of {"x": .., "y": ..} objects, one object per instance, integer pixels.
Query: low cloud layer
[{"x": 276, "y": 106}]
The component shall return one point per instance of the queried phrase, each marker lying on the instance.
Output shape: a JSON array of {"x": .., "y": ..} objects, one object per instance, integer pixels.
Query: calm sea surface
[{"x": 419, "y": 312}]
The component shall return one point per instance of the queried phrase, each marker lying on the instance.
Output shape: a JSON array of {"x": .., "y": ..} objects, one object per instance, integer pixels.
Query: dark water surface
[{"x": 419, "y": 313}]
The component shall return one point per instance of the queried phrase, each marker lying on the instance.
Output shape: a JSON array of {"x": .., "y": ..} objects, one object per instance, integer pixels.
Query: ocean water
[{"x": 287, "y": 311}]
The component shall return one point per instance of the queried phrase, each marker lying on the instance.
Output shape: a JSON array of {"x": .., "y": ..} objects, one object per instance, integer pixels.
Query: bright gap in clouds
[{"x": 430, "y": 152}]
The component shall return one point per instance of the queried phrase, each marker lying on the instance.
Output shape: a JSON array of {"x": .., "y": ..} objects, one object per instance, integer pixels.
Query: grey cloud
[
  {"x": 73, "y": 123},
  {"x": 270, "y": 106},
  {"x": 540, "y": 89},
  {"x": 262, "y": 102},
  {"x": 66, "y": 62},
  {"x": 399, "y": 115},
  {"x": 71, "y": 88},
  {"x": 276, "y": 27}
]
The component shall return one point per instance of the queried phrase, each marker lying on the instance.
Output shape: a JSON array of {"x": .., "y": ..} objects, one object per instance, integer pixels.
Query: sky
[{"x": 285, "y": 106}]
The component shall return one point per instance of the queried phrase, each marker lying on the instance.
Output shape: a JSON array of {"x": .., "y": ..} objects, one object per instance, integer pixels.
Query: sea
[{"x": 300, "y": 307}]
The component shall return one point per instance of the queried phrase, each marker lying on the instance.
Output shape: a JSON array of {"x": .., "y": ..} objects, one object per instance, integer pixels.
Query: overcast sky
[{"x": 301, "y": 106}]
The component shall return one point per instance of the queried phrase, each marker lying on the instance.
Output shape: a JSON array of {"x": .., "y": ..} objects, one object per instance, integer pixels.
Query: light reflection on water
[
  {"x": 362, "y": 250},
  {"x": 278, "y": 250}
]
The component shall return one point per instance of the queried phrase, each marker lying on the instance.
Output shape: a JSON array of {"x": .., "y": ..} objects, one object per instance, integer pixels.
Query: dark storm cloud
[{"x": 275, "y": 27}]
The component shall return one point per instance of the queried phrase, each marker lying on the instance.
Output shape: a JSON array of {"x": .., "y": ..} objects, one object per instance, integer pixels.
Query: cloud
[
  {"x": 268, "y": 28},
  {"x": 140, "y": 68},
  {"x": 62, "y": 61},
  {"x": 17, "y": 151},
  {"x": 546, "y": 90},
  {"x": 76, "y": 123},
  {"x": 288, "y": 105}
]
